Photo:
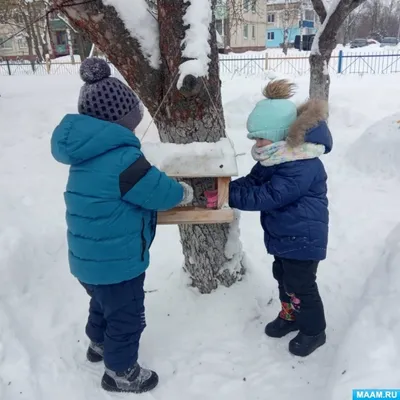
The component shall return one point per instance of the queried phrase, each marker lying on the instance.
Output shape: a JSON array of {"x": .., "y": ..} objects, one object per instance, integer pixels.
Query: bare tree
[
  {"x": 182, "y": 115},
  {"x": 349, "y": 27},
  {"x": 325, "y": 41},
  {"x": 290, "y": 16},
  {"x": 373, "y": 19}
]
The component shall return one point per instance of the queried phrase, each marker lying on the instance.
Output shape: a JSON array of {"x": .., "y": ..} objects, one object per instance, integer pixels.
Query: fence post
[
  {"x": 340, "y": 62},
  {"x": 266, "y": 61},
  {"x": 8, "y": 66}
]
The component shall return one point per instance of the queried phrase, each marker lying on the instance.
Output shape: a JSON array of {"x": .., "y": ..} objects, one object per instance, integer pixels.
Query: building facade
[
  {"x": 242, "y": 28},
  {"x": 14, "y": 46},
  {"x": 57, "y": 37},
  {"x": 296, "y": 17}
]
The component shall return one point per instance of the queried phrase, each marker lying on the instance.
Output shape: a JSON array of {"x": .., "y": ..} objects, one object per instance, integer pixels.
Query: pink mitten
[{"x": 212, "y": 198}]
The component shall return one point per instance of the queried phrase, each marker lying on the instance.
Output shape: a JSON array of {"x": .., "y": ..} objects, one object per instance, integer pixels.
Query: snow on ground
[{"x": 203, "y": 346}]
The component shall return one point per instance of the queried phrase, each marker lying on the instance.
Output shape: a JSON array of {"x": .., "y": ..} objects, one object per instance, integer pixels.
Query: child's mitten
[
  {"x": 187, "y": 194},
  {"x": 212, "y": 198}
]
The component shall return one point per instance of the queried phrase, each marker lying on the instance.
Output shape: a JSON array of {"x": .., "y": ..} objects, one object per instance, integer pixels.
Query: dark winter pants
[
  {"x": 298, "y": 287},
  {"x": 116, "y": 318}
]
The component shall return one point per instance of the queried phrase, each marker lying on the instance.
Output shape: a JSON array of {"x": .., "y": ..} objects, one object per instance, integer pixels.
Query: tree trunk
[
  {"x": 40, "y": 32},
  {"x": 70, "y": 45},
  {"x": 33, "y": 33},
  {"x": 319, "y": 77},
  {"x": 42, "y": 41},
  {"x": 81, "y": 47},
  {"x": 192, "y": 114},
  {"x": 28, "y": 32},
  {"x": 286, "y": 16}
]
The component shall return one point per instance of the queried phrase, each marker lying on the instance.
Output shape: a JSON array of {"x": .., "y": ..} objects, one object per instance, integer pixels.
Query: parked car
[
  {"x": 389, "y": 41},
  {"x": 358, "y": 43}
]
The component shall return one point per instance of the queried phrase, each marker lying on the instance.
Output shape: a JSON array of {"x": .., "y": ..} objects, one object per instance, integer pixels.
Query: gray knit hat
[{"x": 107, "y": 98}]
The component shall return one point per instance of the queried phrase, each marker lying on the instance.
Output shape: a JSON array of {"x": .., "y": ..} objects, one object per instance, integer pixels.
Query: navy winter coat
[
  {"x": 292, "y": 197},
  {"x": 112, "y": 197}
]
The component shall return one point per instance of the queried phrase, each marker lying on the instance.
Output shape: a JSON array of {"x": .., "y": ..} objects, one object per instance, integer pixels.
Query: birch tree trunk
[
  {"x": 29, "y": 41},
  {"x": 192, "y": 114},
  {"x": 40, "y": 32},
  {"x": 286, "y": 16},
  {"x": 32, "y": 30}
]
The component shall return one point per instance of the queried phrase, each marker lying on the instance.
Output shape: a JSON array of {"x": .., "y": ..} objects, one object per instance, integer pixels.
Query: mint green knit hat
[{"x": 272, "y": 117}]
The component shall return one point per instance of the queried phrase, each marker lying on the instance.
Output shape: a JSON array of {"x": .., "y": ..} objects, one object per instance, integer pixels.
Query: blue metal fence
[
  {"x": 296, "y": 63},
  {"x": 368, "y": 63},
  {"x": 253, "y": 64}
]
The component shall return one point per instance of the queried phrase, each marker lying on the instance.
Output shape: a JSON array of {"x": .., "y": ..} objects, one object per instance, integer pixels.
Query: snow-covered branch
[
  {"x": 142, "y": 25},
  {"x": 196, "y": 46},
  {"x": 337, "y": 13},
  {"x": 108, "y": 29}
]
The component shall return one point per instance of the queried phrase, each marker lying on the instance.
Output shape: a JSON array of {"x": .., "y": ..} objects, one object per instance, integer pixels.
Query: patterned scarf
[{"x": 279, "y": 153}]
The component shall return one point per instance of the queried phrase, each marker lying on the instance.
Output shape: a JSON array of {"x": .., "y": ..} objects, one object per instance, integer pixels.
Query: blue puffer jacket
[
  {"x": 292, "y": 196},
  {"x": 112, "y": 197}
]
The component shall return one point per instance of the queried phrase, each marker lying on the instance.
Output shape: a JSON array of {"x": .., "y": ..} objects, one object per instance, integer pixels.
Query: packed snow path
[{"x": 203, "y": 347}]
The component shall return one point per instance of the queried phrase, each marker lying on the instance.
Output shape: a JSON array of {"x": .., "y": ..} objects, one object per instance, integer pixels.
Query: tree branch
[
  {"x": 103, "y": 26},
  {"x": 330, "y": 27},
  {"x": 319, "y": 8},
  {"x": 355, "y": 3}
]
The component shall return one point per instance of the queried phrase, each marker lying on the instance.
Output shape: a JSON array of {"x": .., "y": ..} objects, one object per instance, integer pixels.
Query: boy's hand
[{"x": 187, "y": 194}]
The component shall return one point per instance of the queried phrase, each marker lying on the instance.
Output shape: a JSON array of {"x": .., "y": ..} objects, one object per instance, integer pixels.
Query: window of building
[
  {"x": 7, "y": 45},
  {"x": 22, "y": 44},
  {"x": 17, "y": 18},
  {"x": 253, "y": 32},
  {"x": 246, "y": 32},
  {"x": 271, "y": 18},
  {"x": 254, "y": 6},
  {"x": 309, "y": 15},
  {"x": 218, "y": 26},
  {"x": 271, "y": 35},
  {"x": 246, "y": 5}
]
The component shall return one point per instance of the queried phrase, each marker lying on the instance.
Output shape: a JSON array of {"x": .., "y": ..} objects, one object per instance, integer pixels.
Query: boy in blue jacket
[
  {"x": 112, "y": 198},
  {"x": 288, "y": 186}
]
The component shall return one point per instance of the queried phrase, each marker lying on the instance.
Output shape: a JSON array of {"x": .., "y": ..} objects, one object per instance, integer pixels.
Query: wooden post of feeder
[{"x": 223, "y": 191}]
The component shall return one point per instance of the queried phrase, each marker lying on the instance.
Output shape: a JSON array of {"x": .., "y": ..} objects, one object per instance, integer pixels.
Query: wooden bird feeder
[{"x": 216, "y": 161}]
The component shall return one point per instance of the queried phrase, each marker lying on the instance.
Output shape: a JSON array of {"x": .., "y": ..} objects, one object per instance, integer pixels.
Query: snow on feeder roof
[{"x": 193, "y": 160}]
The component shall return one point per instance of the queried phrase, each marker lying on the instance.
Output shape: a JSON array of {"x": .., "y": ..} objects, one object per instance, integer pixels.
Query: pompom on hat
[
  {"x": 107, "y": 98},
  {"x": 272, "y": 117}
]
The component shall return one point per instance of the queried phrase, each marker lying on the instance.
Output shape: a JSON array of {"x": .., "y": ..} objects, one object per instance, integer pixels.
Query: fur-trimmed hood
[{"x": 310, "y": 125}]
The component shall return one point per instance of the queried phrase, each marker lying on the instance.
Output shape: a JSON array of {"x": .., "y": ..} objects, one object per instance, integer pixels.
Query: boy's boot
[
  {"x": 283, "y": 324},
  {"x": 95, "y": 352},
  {"x": 134, "y": 380},
  {"x": 303, "y": 345}
]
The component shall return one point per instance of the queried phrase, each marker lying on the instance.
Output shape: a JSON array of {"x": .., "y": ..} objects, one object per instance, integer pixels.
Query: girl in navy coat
[{"x": 288, "y": 186}]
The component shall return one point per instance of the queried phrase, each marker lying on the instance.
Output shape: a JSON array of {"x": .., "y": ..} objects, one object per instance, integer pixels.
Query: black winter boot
[
  {"x": 95, "y": 352},
  {"x": 134, "y": 380},
  {"x": 303, "y": 345},
  {"x": 280, "y": 327}
]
